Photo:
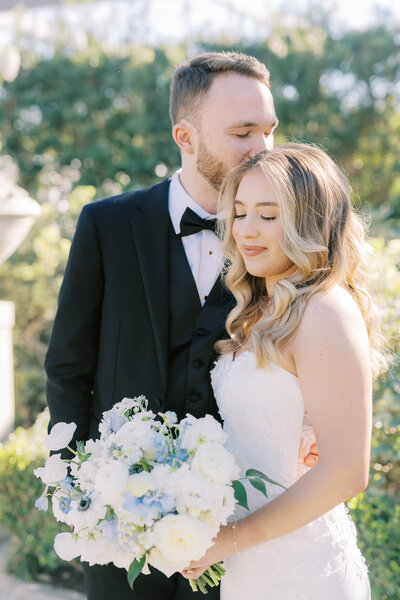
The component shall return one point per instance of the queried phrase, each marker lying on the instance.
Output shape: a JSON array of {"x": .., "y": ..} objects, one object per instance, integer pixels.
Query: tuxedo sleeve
[{"x": 72, "y": 354}]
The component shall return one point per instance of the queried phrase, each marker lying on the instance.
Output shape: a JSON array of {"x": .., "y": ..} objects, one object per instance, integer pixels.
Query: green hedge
[
  {"x": 32, "y": 554},
  {"x": 377, "y": 518}
]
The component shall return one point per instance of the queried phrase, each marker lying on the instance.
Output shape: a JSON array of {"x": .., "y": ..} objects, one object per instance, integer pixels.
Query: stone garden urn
[{"x": 17, "y": 214}]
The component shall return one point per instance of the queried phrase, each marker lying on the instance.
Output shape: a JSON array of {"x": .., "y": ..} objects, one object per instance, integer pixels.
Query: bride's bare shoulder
[
  {"x": 331, "y": 314},
  {"x": 335, "y": 301}
]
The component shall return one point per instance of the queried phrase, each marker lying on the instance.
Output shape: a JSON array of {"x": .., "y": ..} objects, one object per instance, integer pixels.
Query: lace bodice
[{"x": 265, "y": 406}]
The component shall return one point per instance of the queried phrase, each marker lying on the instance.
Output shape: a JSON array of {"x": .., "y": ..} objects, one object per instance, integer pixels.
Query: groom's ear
[{"x": 184, "y": 135}]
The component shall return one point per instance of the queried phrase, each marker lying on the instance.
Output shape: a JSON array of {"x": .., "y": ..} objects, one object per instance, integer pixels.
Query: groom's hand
[{"x": 312, "y": 458}]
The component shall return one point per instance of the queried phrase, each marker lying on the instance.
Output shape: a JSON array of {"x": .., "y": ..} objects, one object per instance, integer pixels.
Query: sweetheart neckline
[{"x": 274, "y": 364}]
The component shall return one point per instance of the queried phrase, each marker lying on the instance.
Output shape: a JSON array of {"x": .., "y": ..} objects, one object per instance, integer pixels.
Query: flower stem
[{"x": 211, "y": 577}]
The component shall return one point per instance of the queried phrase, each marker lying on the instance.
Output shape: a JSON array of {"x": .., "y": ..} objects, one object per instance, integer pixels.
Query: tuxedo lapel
[{"x": 150, "y": 233}]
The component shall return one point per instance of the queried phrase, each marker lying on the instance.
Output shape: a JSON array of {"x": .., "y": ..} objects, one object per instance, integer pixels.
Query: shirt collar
[{"x": 179, "y": 200}]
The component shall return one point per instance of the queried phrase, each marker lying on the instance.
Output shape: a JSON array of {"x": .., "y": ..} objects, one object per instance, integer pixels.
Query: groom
[{"x": 141, "y": 304}]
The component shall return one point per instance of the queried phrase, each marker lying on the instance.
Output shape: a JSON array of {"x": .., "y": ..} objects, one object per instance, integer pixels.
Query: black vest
[{"x": 193, "y": 331}]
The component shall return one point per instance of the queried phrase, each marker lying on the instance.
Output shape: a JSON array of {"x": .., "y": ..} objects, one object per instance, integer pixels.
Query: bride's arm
[{"x": 331, "y": 353}]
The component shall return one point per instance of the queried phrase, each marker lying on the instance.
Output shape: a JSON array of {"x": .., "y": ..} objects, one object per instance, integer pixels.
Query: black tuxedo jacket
[{"x": 110, "y": 335}]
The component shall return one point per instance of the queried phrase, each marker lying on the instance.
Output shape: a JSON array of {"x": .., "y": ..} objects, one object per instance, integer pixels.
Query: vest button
[
  {"x": 158, "y": 402},
  {"x": 194, "y": 398},
  {"x": 197, "y": 363},
  {"x": 201, "y": 331}
]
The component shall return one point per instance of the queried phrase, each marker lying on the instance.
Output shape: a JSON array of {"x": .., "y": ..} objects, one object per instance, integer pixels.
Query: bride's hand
[{"x": 221, "y": 549}]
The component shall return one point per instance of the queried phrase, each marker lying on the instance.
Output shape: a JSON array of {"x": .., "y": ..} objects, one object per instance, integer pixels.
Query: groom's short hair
[{"x": 193, "y": 78}]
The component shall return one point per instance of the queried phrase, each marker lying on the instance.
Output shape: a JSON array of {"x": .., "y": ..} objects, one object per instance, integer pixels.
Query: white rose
[
  {"x": 60, "y": 436},
  {"x": 156, "y": 559},
  {"x": 215, "y": 463},
  {"x": 213, "y": 524},
  {"x": 181, "y": 538},
  {"x": 54, "y": 470},
  {"x": 228, "y": 505},
  {"x": 110, "y": 480},
  {"x": 194, "y": 493},
  {"x": 67, "y": 546},
  {"x": 139, "y": 483},
  {"x": 198, "y": 431}
]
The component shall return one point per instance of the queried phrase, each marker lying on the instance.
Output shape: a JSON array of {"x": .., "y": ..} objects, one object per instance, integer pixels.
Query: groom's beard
[{"x": 213, "y": 170}]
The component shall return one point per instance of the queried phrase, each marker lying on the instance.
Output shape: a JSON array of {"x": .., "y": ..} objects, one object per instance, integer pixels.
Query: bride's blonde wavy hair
[{"x": 322, "y": 235}]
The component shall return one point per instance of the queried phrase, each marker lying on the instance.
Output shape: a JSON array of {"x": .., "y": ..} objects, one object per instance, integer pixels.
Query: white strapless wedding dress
[{"x": 268, "y": 429}]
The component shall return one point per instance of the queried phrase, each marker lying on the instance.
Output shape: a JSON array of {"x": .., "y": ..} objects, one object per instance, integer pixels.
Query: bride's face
[{"x": 257, "y": 229}]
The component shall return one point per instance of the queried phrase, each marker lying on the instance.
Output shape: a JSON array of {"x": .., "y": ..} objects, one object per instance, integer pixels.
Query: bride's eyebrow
[{"x": 267, "y": 203}]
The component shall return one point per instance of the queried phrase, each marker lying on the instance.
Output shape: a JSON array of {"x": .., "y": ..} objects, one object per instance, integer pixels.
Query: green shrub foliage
[
  {"x": 32, "y": 554},
  {"x": 378, "y": 524}
]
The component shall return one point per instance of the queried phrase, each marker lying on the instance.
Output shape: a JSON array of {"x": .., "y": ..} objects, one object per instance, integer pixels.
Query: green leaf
[
  {"x": 240, "y": 493},
  {"x": 260, "y": 474},
  {"x": 259, "y": 485},
  {"x": 135, "y": 569}
]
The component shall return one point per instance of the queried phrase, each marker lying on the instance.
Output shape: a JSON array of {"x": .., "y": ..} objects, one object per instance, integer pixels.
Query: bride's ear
[{"x": 184, "y": 135}]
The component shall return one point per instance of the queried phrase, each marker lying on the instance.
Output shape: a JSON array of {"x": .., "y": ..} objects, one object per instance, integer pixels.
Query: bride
[{"x": 298, "y": 368}]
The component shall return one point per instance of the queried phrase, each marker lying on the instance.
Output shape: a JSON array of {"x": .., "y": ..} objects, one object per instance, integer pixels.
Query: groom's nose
[{"x": 261, "y": 143}]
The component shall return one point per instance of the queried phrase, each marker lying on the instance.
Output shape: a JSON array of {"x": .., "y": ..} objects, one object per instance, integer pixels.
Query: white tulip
[
  {"x": 97, "y": 551},
  {"x": 67, "y": 546},
  {"x": 60, "y": 436},
  {"x": 54, "y": 470}
]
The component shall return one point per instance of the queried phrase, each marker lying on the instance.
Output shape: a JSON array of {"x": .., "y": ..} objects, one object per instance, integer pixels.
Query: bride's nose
[{"x": 248, "y": 227}]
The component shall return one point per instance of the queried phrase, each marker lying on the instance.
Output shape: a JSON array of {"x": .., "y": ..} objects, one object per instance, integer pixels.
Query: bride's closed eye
[{"x": 264, "y": 218}]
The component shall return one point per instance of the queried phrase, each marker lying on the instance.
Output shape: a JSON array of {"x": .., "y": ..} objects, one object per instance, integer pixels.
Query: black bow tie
[{"x": 192, "y": 223}]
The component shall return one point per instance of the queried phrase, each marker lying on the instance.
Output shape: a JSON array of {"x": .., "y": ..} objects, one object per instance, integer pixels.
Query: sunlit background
[{"x": 84, "y": 114}]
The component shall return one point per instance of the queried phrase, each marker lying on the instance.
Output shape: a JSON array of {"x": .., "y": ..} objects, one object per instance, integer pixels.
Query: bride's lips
[{"x": 253, "y": 250}]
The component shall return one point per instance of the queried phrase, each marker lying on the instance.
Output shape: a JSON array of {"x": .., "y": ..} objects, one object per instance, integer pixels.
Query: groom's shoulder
[{"x": 128, "y": 204}]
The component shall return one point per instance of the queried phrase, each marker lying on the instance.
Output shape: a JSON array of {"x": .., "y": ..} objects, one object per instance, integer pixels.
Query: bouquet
[{"x": 150, "y": 491}]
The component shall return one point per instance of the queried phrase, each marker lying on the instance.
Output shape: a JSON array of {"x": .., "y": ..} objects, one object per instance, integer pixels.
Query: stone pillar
[{"x": 7, "y": 412}]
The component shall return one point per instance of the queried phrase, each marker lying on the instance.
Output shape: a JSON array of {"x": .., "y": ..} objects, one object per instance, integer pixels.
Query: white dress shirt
[{"x": 203, "y": 249}]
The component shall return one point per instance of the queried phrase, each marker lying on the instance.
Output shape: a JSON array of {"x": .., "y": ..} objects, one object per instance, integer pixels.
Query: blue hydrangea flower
[
  {"x": 111, "y": 422},
  {"x": 64, "y": 505}
]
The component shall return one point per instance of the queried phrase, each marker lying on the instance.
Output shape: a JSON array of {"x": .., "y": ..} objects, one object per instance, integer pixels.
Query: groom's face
[{"x": 236, "y": 121}]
